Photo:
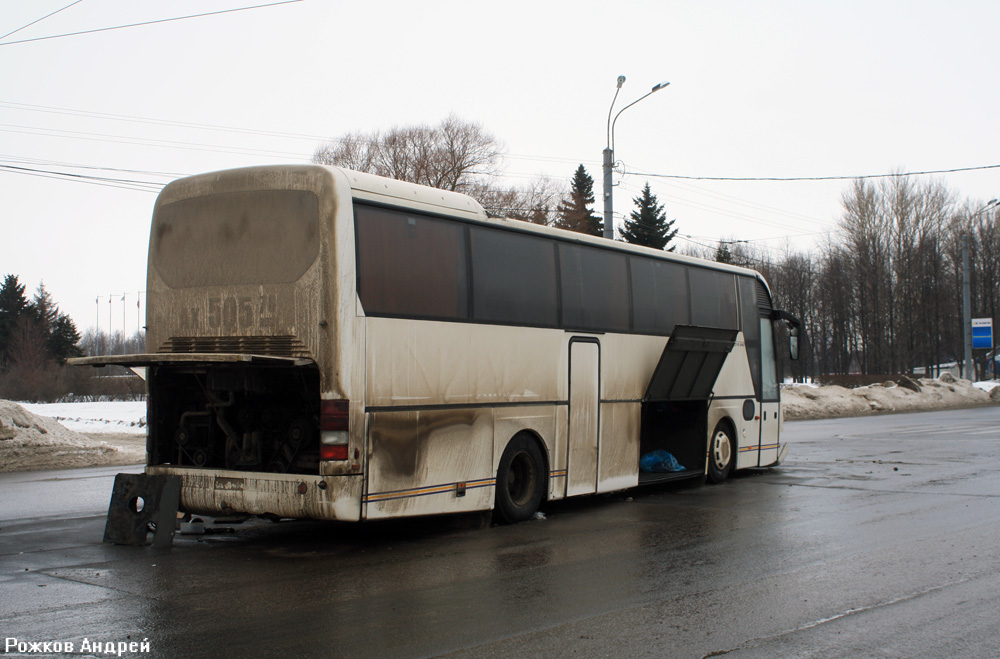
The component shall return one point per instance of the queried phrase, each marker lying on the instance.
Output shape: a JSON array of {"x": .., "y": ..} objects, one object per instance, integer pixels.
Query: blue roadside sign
[{"x": 982, "y": 333}]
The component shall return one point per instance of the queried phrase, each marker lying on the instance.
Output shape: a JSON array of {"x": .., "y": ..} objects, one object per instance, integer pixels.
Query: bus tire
[
  {"x": 520, "y": 484},
  {"x": 721, "y": 453}
]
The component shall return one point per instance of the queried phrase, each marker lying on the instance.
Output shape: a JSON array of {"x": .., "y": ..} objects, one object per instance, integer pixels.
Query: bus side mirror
[{"x": 794, "y": 330}]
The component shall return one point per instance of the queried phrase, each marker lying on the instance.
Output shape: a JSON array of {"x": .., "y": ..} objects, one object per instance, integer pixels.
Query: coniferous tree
[
  {"x": 13, "y": 305},
  {"x": 37, "y": 324},
  {"x": 574, "y": 212},
  {"x": 63, "y": 338},
  {"x": 61, "y": 335},
  {"x": 648, "y": 225},
  {"x": 44, "y": 309},
  {"x": 723, "y": 254}
]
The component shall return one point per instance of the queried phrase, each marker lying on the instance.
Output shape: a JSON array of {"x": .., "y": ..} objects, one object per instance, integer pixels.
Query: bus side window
[
  {"x": 513, "y": 278},
  {"x": 750, "y": 317},
  {"x": 411, "y": 265},
  {"x": 594, "y": 289},
  {"x": 769, "y": 371},
  {"x": 713, "y": 298},
  {"x": 660, "y": 299}
]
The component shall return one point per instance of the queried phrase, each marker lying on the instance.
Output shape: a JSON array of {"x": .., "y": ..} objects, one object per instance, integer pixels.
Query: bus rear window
[{"x": 252, "y": 237}]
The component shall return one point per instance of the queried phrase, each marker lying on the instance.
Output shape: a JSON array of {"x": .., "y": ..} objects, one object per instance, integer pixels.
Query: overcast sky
[{"x": 757, "y": 89}]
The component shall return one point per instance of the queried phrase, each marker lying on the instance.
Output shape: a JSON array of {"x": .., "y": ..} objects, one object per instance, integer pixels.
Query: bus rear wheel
[
  {"x": 721, "y": 454},
  {"x": 520, "y": 483}
]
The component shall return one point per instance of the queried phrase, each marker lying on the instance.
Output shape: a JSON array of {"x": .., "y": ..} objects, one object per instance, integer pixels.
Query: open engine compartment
[{"x": 244, "y": 417}]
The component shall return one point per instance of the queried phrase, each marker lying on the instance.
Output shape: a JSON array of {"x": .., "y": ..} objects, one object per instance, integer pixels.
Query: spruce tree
[
  {"x": 63, "y": 338},
  {"x": 13, "y": 304},
  {"x": 723, "y": 254},
  {"x": 648, "y": 225},
  {"x": 574, "y": 212},
  {"x": 45, "y": 309},
  {"x": 39, "y": 318}
]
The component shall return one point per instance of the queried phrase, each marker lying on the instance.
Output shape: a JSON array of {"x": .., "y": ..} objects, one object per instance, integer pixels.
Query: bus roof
[
  {"x": 378, "y": 189},
  {"x": 370, "y": 187}
]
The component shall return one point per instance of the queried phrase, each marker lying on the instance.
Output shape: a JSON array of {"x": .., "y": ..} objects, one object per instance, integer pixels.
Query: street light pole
[
  {"x": 969, "y": 370},
  {"x": 609, "y": 156}
]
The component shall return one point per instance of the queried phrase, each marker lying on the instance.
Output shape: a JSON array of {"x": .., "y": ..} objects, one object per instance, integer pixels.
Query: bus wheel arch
[
  {"x": 522, "y": 479},
  {"x": 721, "y": 451}
]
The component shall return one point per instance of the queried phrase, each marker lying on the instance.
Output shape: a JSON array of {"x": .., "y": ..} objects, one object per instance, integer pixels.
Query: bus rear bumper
[{"x": 217, "y": 492}]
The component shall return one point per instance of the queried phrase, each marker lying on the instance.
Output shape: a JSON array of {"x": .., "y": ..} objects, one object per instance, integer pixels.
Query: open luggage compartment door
[
  {"x": 690, "y": 364},
  {"x": 675, "y": 405}
]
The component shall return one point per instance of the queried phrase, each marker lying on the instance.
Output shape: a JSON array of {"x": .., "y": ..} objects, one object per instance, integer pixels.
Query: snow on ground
[
  {"x": 31, "y": 439},
  {"x": 988, "y": 386},
  {"x": 906, "y": 395},
  {"x": 95, "y": 418},
  {"x": 64, "y": 435}
]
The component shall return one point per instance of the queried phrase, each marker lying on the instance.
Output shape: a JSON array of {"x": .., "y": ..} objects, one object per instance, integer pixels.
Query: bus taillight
[{"x": 334, "y": 424}]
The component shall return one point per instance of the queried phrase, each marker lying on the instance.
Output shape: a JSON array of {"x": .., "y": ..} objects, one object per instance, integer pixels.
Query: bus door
[
  {"x": 748, "y": 454},
  {"x": 769, "y": 394},
  {"x": 584, "y": 408},
  {"x": 759, "y": 412}
]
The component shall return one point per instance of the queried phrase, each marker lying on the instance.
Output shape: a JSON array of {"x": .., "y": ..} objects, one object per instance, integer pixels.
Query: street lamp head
[
  {"x": 621, "y": 81},
  {"x": 658, "y": 87},
  {"x": 993, "y": 203}
]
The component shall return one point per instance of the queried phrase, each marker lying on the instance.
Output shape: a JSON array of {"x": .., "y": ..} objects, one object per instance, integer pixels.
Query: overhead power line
[
  {"x": 161, "y": 20},
  {"x": 127, "y": 184},
  {"x": 813, "y": 178},
  {"x": 39, "y": 162},
  {"x": 39, "y": 20}
]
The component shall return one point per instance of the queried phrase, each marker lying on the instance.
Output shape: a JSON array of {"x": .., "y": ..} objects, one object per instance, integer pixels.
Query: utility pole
[
  {"x": 967, "y": 372},
  {"x": 609, "y": 204}
]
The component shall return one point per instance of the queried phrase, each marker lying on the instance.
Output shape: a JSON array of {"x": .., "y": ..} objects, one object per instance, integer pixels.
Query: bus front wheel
[
  {"x": 520, "y": 482},
  {"x": 721, "y": 454}
]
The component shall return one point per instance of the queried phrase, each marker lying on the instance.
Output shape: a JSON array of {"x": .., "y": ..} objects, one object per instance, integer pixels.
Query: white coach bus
[{"x": 335, "y": 345}]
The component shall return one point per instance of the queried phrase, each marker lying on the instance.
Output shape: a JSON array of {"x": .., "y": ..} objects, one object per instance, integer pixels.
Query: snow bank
[
  {"x": 906, "y": 395},
  {"x": 29, "y": 441},
  {"x": 19, "y": 427}
]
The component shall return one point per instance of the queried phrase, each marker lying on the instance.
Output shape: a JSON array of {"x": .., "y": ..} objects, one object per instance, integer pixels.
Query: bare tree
[
  {"x": 453, "y": 155},
  {"x": 866, "y": 232},
  {"x": 793, "y": 281},
  {"x": 834, "y": 335},
  {"x": 31, "y": 372},
  {"x": 535, "y": 202}
]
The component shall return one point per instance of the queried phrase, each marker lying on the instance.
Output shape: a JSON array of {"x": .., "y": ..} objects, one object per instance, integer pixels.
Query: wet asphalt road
[{"x": 879, "y": 537}]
